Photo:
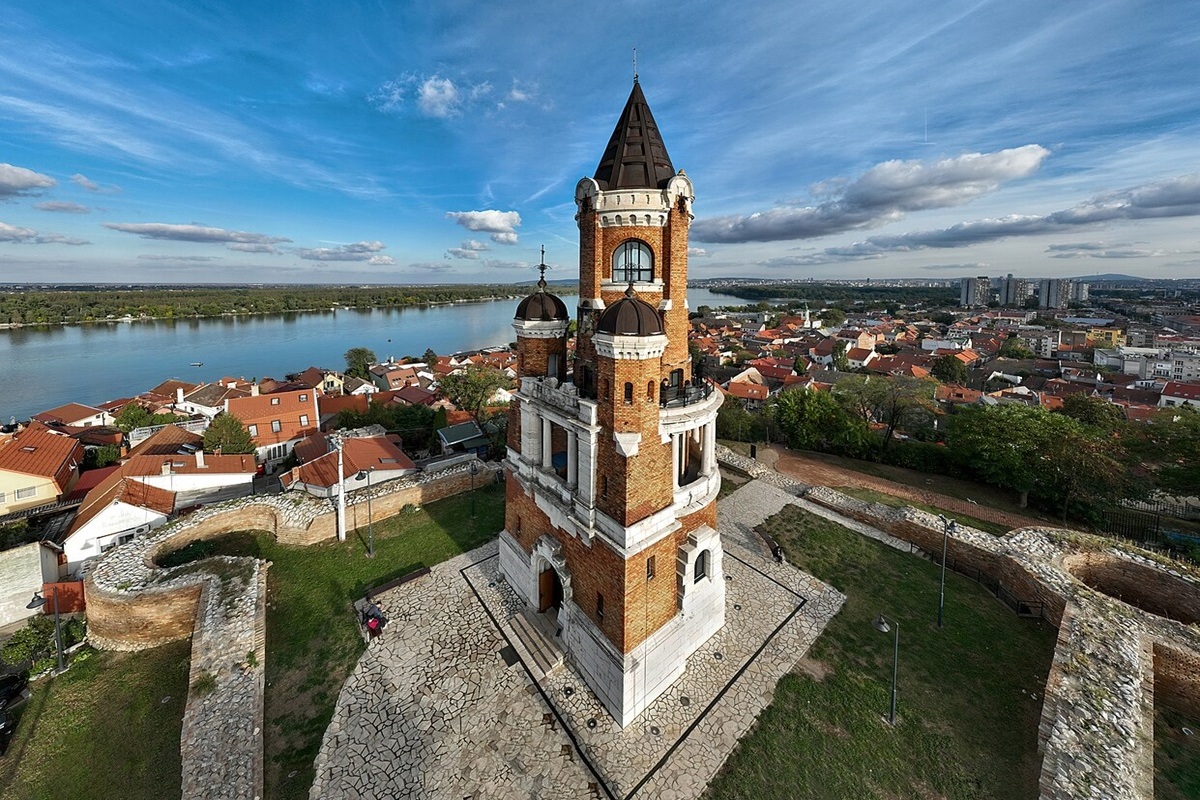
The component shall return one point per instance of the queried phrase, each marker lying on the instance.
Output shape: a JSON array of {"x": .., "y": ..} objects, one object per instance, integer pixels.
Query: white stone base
[{"x": 627, "y": 683}]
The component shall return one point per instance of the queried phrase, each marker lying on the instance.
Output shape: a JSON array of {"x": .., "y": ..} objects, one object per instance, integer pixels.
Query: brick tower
[{"x": 610, "y": 523}]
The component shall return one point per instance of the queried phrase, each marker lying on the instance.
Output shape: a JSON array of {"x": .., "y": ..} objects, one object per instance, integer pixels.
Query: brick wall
[
  {"x": 964, "y": 553},
  {"x": 143, "y": 620},
  {"x": 1149, "y": 589},
  {"x": 640, "y": 485},
  {"x": 533, "y": 356},
  {"x": 1177, "y": 678}
]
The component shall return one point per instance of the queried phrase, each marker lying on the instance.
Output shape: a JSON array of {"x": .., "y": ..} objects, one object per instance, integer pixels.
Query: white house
[{"x": 113, "y": 513}]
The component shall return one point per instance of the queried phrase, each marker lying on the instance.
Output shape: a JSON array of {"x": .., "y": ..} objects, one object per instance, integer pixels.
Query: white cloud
[
  {"x": 62, "y": 207},
  {"x": 253, "y": 247},
  {"x": 438, "y": 97},
  {"x": 92, "y": 186},
  {"x": 469, "y": 250},
  {"x": 885, "y": 193},
  {"x": 16, "y": 181},
  {"x": 1102, "y": 250},
  {"x": 11, "y": 233},
  {"x": 191, "y": 233},
  {"x": 186, "y": 259},
  {"x": 1174, "y": 197},
  {"x": 698, "y": 252},
  {"x": 356, "y": 251},
  {"x": 501, "y": 225}
]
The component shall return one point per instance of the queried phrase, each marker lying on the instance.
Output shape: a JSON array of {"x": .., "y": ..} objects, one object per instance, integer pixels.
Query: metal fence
[{"x": 1020, "y": 606}]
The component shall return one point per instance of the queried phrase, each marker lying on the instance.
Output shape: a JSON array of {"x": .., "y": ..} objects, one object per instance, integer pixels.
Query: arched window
[
  {"x": 701, "y": 566},
  {"x": 632, "y": 261},
  {"x": 628, "y": 393},
  {"x": 650, "y": 391},
  {"x": 604, "y": 390}
]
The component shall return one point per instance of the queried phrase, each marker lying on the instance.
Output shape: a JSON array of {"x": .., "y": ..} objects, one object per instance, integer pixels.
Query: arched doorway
[{"x": 550, "y": 590}]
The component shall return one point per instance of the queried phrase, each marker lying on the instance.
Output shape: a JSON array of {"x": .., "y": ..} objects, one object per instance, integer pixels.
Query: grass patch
[
  {"x": 102, "y": 730},
  {"x": 969, "y": 694},
  {"x": 1176, "y": 754},
  {"x": 312, "y": 638},
  {"x": 872, "y": 496}
]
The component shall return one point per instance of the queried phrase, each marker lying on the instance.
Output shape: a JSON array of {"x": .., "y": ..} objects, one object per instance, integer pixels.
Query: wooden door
[{"x": 545, "y": 589}]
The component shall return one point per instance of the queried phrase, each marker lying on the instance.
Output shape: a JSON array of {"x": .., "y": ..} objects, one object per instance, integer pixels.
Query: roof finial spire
[
  {"x": 635, "y": 64},
  {"x": 629, "y": 292},
  {"x": 542, "y": 269}
]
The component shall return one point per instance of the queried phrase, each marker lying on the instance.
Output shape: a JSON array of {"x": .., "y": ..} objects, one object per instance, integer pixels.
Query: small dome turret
[
  {"x": 630, "y": 316},
  {"x": 542, "y": 306}
]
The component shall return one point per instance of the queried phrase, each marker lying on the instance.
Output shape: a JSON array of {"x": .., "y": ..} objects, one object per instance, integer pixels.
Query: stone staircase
[{"x": 534, "y": 636}]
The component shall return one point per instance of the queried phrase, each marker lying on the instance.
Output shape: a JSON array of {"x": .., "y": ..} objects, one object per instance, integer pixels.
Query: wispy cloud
[
  {"x": 366, "y": 252},
  {"x": 1174, "y": 197},
  {"x": 469, "y": 250},
  {"x": 192, "y": 233},
  {"x": 20, "y": 235},
  {"x": 502, "y": 225},
  {"x": 698, "y": 252},
  {"x": 62, "y": 207},
  {"x": 184, "y": 259},
  {"x": 17, "y": 181},
  {"x": 84, "y": 182},
  {"x": 971, "y": 267},
  {"x": 885, "y": 193},
  {"x": 1102, "y": 250},
  {"x": 435, "y": 96}
]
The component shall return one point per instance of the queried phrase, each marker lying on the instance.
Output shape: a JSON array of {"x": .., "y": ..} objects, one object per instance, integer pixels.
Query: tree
[
  {"x": 430, "y": 357},
  {"x": 102, "y": 456},
  {"x": 999, "y": 444},
  {"x": 472, "y": 388},
  {"x": 1095, "y": 412},
  {"x": 813, "y": 420},
  {"x": 949, "y": 369},
  {"x": 359, "y": 361},
  {"x": 833, "y": 317},
  {"x": 227, "y": 434},
  {"x": 134, "y": 416},
  {"x": 840, "y": 362},
  {"x": 893, "y": 401},
  {"x": 1012, "y": 348}
]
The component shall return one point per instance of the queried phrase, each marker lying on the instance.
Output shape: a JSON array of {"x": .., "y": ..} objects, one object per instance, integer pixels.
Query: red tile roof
[
  {"x": 286, "y": 408},
  {"x": 67, "y": 414},
  {"x": 38, "y": 451},
  {"x": 167, "y": 441}
]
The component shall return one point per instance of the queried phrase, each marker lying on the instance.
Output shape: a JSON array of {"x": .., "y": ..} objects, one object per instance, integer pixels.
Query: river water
[{"x": 42, "y": 368}]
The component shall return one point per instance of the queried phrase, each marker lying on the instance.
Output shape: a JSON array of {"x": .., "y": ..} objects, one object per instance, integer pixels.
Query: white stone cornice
[
  {"x": 633, "y": 348},
  {"x": 540, "y": 329},
  {"x": 627, "y": 443}
]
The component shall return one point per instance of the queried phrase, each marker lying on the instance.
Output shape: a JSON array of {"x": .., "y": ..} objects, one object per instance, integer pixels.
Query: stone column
[
  {"x": 572, "y": 458},
  {"x": 547, "y": 445},
  {"x": 676, "y": 451},
  {"x": 710, "y": 448}
]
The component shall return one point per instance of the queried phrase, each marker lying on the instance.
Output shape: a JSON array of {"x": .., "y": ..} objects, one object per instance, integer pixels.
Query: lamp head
[
  {"x": 37, "y": 602},
  {"x": 881, "y": 624}
]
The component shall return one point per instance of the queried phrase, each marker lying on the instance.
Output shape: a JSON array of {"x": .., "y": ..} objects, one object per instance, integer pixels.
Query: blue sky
[{"x": 397, "y": 142}]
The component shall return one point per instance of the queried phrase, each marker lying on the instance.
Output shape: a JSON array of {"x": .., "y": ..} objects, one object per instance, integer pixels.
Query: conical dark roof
[
  {"x": 630, "y": 316},
  {"x": 636, "y": 157}
]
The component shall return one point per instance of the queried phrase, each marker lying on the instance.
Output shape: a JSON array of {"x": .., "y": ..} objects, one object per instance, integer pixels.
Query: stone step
[{"x": 545, "y": 656}]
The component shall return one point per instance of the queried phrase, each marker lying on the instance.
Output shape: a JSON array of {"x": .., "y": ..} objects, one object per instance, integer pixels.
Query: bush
[
  {"x": 34, "y": 644},
  {"x": 922, "y": 456}
]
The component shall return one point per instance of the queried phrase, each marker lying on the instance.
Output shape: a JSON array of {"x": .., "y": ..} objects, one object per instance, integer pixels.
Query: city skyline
[{"x": 331, "y": 143}]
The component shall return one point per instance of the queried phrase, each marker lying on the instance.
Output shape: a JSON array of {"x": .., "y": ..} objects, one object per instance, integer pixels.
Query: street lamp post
[
  {"x": 37, "y": 602},
  {"x": 949, "y": 526},
  {"x": 881, "y": 625},
  {"x": 338, "y": 442},
  {"x": 370, "y": 517},
  {"x": 474, "y": 472}
]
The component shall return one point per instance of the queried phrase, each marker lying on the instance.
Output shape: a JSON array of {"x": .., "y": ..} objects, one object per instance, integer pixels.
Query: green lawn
[
  {"x": 872, "y": 496},
  {"x": 107, "y": 728},
  {"x": 969, "y": 694},
  {"x": 1176, "y": 755},
  {"x": 312, "y": 639}
]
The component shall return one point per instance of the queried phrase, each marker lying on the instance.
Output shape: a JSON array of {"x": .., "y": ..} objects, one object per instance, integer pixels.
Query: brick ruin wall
[{"x": 924, "y": 531}]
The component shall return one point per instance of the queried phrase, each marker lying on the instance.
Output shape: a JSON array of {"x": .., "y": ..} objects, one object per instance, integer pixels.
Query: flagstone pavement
[{"x": 434, "y": 708}]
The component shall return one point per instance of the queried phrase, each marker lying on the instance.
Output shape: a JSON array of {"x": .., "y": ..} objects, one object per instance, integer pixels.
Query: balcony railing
[{"x": 686, "y": 395}]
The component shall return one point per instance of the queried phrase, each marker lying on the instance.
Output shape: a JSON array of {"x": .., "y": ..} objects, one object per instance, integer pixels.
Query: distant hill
[{"x": 1109, "y": 277}]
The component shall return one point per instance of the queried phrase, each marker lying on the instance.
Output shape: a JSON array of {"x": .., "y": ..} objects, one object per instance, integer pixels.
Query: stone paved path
[{"x": 433, "y": 710}]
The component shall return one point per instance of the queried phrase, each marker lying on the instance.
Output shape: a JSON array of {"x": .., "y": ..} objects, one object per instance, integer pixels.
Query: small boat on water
[{"x": 197, "y": 363}]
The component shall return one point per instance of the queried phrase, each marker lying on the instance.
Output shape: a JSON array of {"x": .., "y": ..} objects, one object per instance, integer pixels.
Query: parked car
[
  {"x": 8, "y": 725},
  {"x": 12, "y": 687}
]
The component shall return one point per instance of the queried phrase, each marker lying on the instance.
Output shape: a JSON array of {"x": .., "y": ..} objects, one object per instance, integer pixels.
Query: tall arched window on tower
[{"x": 632, "y": 262}]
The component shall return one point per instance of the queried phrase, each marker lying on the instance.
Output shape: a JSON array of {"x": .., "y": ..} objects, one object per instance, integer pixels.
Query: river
[{"x": 43, "y": 368}]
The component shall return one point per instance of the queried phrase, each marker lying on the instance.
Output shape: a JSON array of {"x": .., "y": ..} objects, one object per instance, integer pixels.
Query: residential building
[
  {"x": 373, "y": 458},
  {"x": 75, "y": 415},
  {"x": 37, "y": 467},
  {"x": 1014, "y": 291},
  {"x": 276, "y": 421},
  {"x": 1176, "y": 393},
  {"x": 975, "y": 291}
]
